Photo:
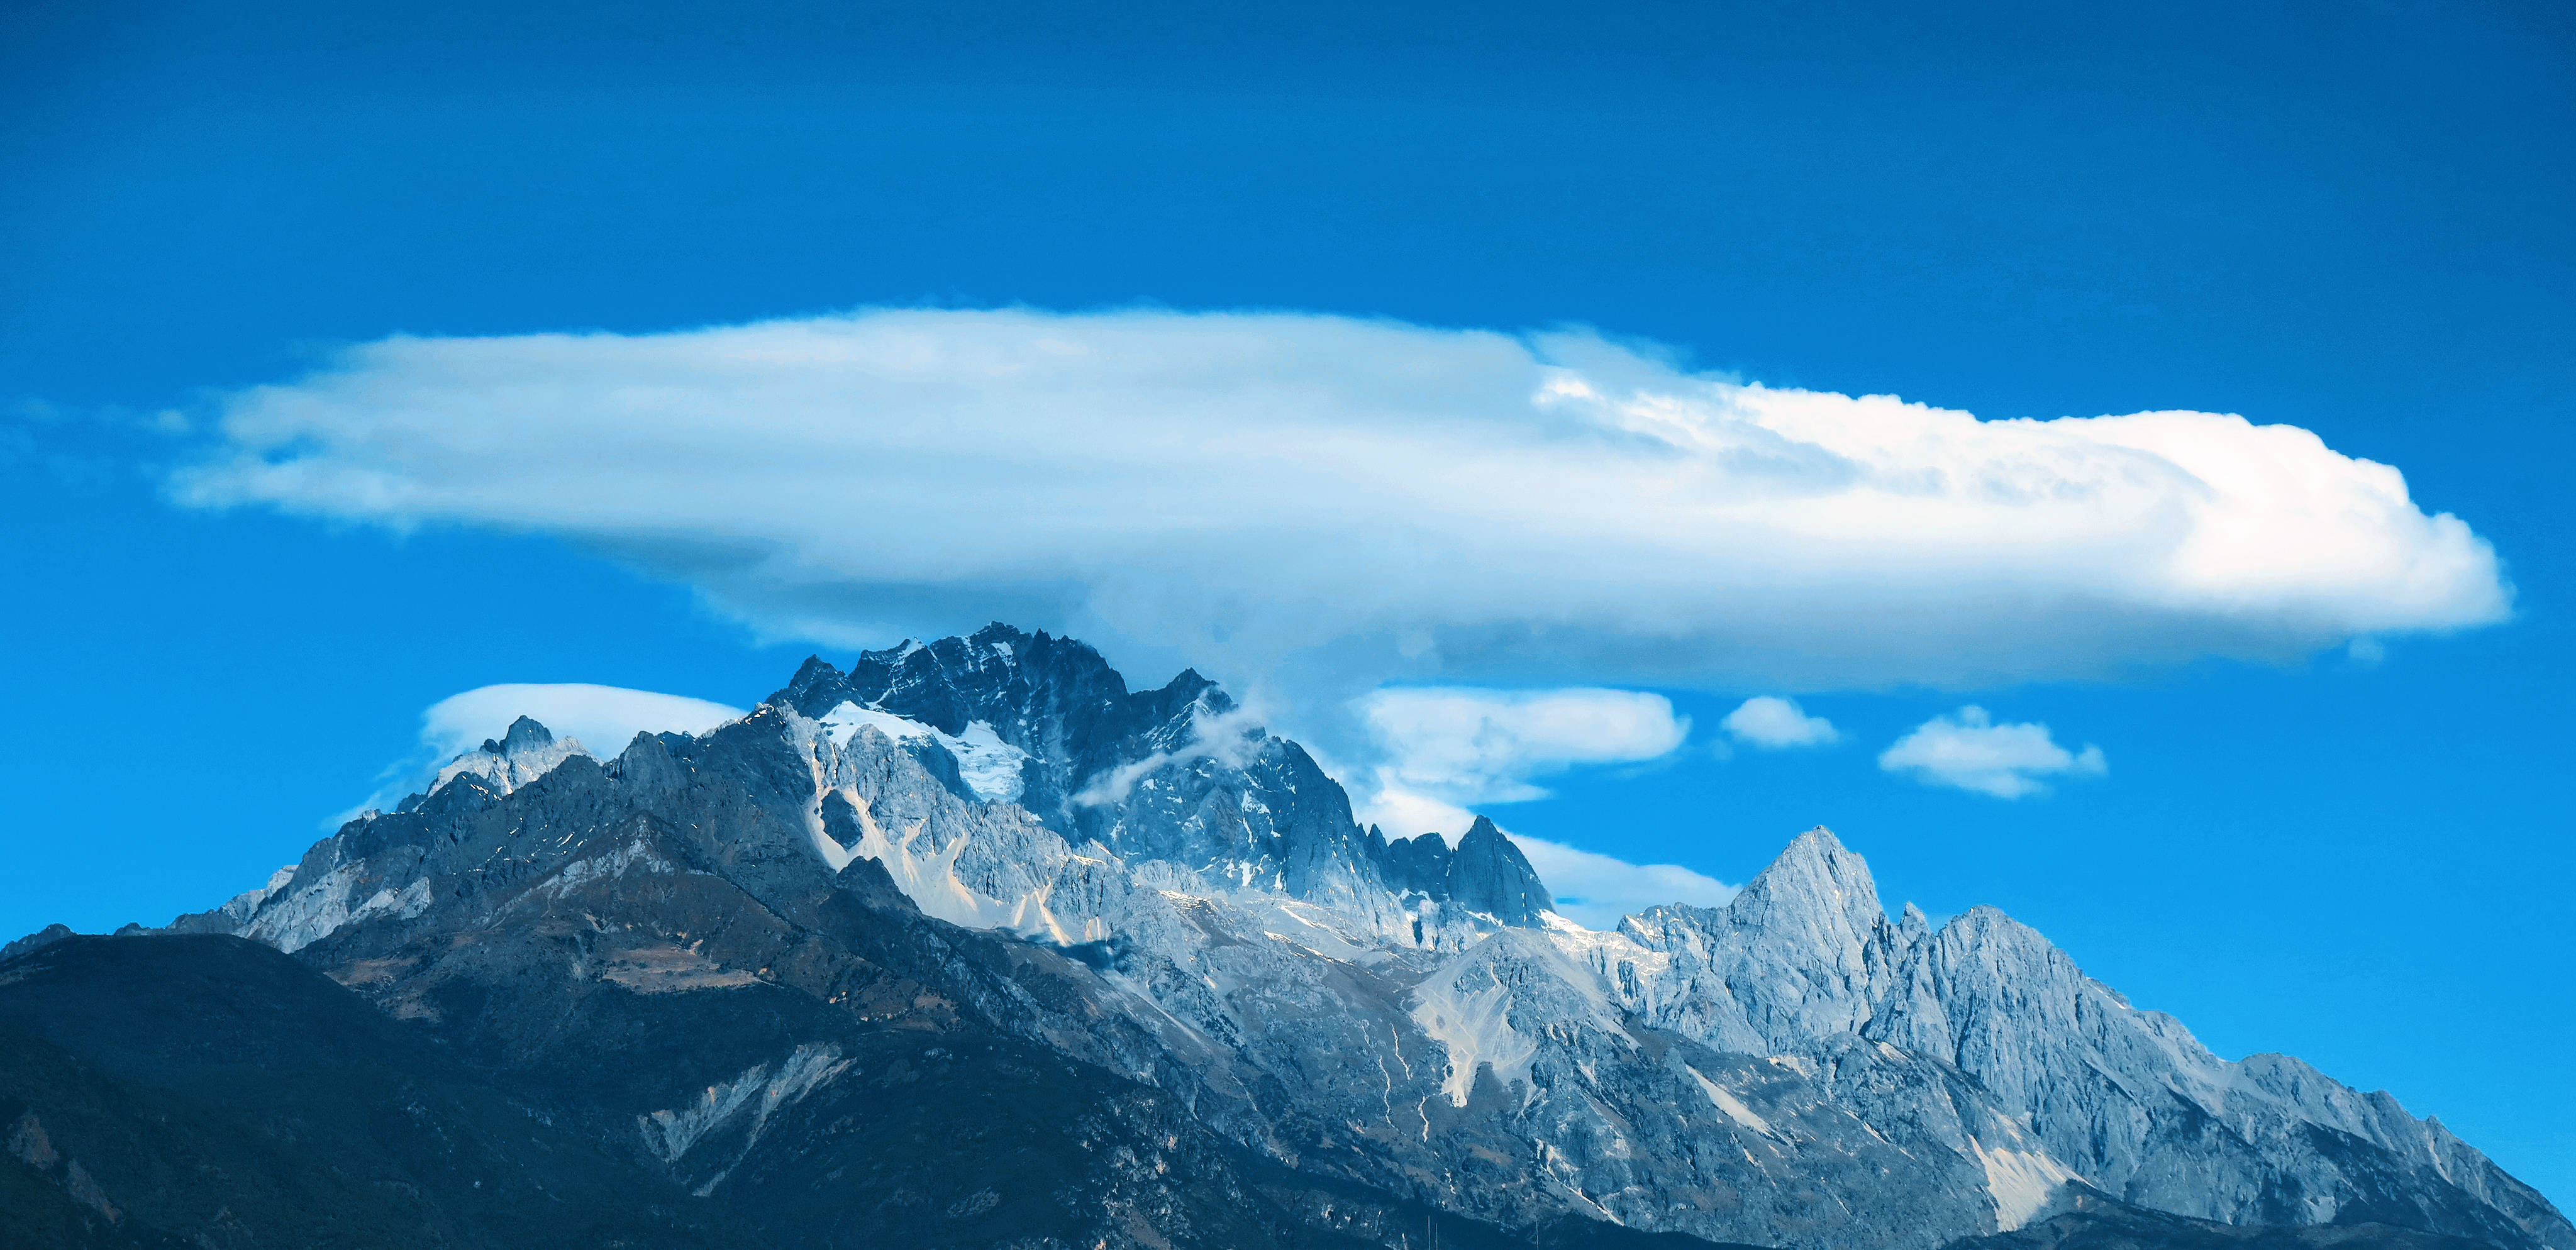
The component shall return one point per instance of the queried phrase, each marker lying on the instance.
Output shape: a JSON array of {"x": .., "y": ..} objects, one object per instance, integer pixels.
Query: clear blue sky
[{"x": 2351, "y": 219}]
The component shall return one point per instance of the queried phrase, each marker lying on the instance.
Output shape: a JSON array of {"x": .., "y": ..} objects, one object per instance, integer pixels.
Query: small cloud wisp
[{"x": 1776, "y": 724}]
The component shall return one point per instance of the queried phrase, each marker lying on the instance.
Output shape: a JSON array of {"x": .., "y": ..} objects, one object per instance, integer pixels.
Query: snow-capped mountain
[
  {"x": 698, "y": 950},
  {"x": 1167, "y": 777}
]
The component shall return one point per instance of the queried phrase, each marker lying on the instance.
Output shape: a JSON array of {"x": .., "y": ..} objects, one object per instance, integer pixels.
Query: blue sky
[{"x": 2346, "y": 220}]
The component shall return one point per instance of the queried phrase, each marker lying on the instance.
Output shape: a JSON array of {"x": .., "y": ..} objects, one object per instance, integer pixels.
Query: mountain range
[{"x": 971, "y": 945}]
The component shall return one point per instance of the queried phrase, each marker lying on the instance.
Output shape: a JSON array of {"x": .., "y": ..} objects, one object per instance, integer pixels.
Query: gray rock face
[
  {"x": 2082, "y": 1084},
  {"x": 1486, "y": 875},
  {"x": 1170, "y": 777},
  {"x": 994, "y": 832}
]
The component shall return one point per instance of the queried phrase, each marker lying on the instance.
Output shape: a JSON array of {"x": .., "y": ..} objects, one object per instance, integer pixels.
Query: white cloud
[
  {"x": 1595, "y": 890},
  {"x": 1379, "y": 500},
  {"x": 1777, "y": 724},
  {"x": 604, "y": 718},
  {"x": 1969, "y": 751},
  {"x": 1444, "y": 747}
]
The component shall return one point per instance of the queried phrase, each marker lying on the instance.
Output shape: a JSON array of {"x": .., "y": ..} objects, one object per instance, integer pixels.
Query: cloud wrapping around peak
[
  {"x": 1968, "y": 751},
  {"x": 1777, "y": 724},
  {"x": 603, "y": 718},
  {"x": 1413, "y": 503},
  {"x": 1447, "y": 749}
]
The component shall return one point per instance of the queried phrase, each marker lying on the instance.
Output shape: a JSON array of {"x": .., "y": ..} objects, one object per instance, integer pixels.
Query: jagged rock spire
[
  {"x": 1490, "y": 875},
  {"x": 524, "y": 734},
  {"x": 1486, "y": 874}
]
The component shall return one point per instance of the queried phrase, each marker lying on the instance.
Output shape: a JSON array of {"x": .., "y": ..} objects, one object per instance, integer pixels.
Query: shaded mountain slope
[
  {"x": 211, "y": 1090},
  {"x": 205, "y": 1090}
]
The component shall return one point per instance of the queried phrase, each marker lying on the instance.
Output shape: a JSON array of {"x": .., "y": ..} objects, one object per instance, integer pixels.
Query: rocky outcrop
[{"x": 46, "y": 936}]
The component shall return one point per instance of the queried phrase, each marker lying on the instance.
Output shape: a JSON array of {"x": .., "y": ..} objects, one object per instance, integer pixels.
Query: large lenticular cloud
[{"x": 1251, "y": 487}]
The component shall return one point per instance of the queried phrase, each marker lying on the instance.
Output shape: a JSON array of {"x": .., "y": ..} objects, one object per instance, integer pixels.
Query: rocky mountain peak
[
  {"x": 814, "y": 671},
  {"x": 524, "y": 752},
  {"x": 1485, "y": 875},
  {"x": 1914, "y": 925},
  {"x": 46, "y": 936},
  {"x": 523, "y": 736},
  {"x": 1817, "y": 887},
  {"x": 1065, "y": 716},
  {"x": 1490, "y": 875}
]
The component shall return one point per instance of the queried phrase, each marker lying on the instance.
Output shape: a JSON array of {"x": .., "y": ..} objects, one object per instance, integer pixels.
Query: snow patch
[
  {"x": 990, "y": 766},
  {"x": 511, "y": 770},
  {"x": 927, "y": 873}
]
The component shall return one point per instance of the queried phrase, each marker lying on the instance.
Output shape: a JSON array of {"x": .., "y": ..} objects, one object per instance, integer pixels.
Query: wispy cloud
[
  {"x": 1969, "y": 751},
  {"x": 1448, "y": 749},
  {"x": 602, "y": 718},
  {"x": 1596, "y": 890},
  {"x": 1408, "y": 503}
]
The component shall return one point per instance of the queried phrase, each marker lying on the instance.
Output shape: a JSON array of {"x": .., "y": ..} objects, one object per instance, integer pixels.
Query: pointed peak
[
  {"x": 1913, "y": 926},
  {"x": 1987, "y": 927},
  {"x": 1819, "y": 850},
  {"x": 1489, "y": 874},
  {"x": 1814, "y": 874},
  {"x": 1190, "y": 684},
  {"x": 524, "y": 734},
  {"x": 890, "y": 656},
  {"x": 814, "y": 669}
]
